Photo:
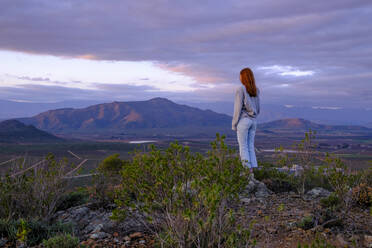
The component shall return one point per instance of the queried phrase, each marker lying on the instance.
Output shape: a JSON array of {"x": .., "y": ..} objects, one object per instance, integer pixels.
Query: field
[{"x": 355, "y": 151}]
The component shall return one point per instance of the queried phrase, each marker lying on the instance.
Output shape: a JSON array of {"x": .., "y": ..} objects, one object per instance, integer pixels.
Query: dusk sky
[{"x": 304, "y": 53}]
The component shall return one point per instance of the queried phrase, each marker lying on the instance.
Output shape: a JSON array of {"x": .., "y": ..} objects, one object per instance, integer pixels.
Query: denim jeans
[{"x": 246, "y": 130}]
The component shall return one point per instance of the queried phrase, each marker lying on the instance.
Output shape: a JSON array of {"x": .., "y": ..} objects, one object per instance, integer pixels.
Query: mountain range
[
  {"x": 155, "y": 114},
  {"x": 270, "y": 112},
  {"x": 13, "y": 131},
  {"x": 300, "y": 124}
]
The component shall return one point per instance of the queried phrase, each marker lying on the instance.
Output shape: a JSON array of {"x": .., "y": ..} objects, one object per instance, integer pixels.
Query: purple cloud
[{"x": 211, "y": 41}]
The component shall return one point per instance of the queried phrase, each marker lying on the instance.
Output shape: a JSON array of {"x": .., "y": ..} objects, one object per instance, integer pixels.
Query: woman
[{"x": 246, "y": 110}]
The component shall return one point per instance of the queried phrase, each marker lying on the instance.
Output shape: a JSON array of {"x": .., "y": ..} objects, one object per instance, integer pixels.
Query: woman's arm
[{"x": 238, "y": 103}]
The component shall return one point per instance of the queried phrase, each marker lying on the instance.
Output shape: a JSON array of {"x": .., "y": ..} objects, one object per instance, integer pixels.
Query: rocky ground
[{"x": 276, "y": 219}]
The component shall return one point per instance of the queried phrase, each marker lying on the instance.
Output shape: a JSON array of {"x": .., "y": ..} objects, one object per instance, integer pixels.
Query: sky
[{"x": 303, "y": 53}]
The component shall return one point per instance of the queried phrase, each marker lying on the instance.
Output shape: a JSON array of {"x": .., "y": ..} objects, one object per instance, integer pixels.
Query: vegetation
[
  {"x": 61, "y": 241},
  {"x": 186, "y": 197},
  {"x": 74, "y": 198},
  {"x": 33, "y": 194},
  {"x": 106, "y": 178},
  {"x": 31, "y": 232},
  {"x": 317, "y": 243}
]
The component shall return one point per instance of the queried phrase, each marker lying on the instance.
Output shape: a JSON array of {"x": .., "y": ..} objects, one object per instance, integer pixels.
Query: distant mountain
[
  {"x": 298, "y": 124},
  {"x": 369, "y": 124},
  {"x": 121, "y": 116},
  {"x": 271, "y": 112},
  {"x": 13, "y": 131},
  {"x": 14, "y": 109}
]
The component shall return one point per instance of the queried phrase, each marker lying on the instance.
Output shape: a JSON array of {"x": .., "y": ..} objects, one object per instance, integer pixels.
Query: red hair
[{"x": 247, "y": 79}]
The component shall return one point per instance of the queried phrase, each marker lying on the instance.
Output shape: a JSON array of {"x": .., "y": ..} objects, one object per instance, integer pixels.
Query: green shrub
[
  {"x": 33, "y": 194},
  {"x": 362, "y": 195},
  {"x": 111, "y": 165},
  {"x": 275, "y": 180},
  {"x": 186, "y": 196},
  {"x": 31, "y": 232},
  {"x": 72, "y": 199},
  {"x": 317, "y": 243},
  {"x": 331, "y": 201},
  {"x": 107, "y": 178},
  {"x": 61, "y": 241},
  {"x": 306, "y": 223}
]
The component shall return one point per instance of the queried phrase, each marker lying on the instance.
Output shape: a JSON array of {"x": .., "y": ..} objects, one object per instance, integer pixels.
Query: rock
[
  {"x": 98, "y": 228},
  {"x": 99, "y": 235},
  {"x": 341, "y": 241},
  {"x": 3, "y": 242},
  {"x": 136, "y": 235},
  {"x": 368, "y": 241},
  {"x": 88, "y": 220},
  {"x": 262, "y": 191},
  {"x": 79, "y": 213},
  {"x": 317, "y": 193},
  {"x": 88, "y": 242},
  {"x": 254, "y": 189}
]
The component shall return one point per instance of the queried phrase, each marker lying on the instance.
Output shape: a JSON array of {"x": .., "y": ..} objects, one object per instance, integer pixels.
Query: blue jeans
[{"x": 246, "y": 130}]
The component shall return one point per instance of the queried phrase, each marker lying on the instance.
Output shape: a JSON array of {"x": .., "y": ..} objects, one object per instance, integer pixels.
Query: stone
[
  {"x": 99, "y": 235},
  {"x": 342, "y": 241},
  {"x": 98, "y": 228},
  {"x": 87, "y": 219},
  {"x": 255, "y": 189},
  {"x": 3, "y": 242},
  {"x": 317, "y": 193},
  {"x": 135, "y": 235},
  {"x": 79, "y": 213},
  {"x": 368, "y": 241}
]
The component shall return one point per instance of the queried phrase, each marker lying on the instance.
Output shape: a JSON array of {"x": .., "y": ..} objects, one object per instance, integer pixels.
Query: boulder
[
  {"x": 88, "y": 221},
  {"x": 317, "y": 192},
  {"x": 254, "y": 190}
]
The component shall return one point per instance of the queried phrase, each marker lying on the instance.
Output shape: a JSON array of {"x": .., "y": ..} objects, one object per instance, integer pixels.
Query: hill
[
  {"x": 298, "y": 124},
  {"x": 120, "y": 116},
  {"x": 13, "y": 131}
]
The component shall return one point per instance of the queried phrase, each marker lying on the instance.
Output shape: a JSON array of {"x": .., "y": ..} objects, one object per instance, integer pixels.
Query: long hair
[{"x": 247, "y": 79}]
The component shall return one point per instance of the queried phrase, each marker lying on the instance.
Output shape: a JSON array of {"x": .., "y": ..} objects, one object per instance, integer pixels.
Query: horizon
[
  {"x": 302, "y": 55},
  {"x": 221, "y": 108}
]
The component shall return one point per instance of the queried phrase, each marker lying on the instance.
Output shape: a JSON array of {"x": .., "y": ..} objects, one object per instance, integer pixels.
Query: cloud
[
  {"x": 285, "y": 71},
  {"x": 316, "y": 51},
  {"x": 324, "y": 107}
]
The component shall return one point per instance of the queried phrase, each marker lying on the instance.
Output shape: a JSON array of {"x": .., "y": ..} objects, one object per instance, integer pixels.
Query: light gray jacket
[{"x": 245, "y": 106}]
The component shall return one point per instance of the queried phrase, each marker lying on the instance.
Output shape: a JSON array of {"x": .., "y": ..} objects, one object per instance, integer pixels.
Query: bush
[
  {"x": 72, "y": 199},
  {"x": 186, "y": 197},
  {"x": 317, "y": 243},
  {"x": 275, "y": 180},
  {"x": 61, "y": 241},
  {"x": 31, "y": 232},
  {"x": 106, "y": 179},
  {"x": 36, "y": 194},
  {"x": 331, "y": 201},
  {"x": 111, "y": 165},
  {"x": 362, "y": 195},
  {"x": 306, "y": 223}
]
